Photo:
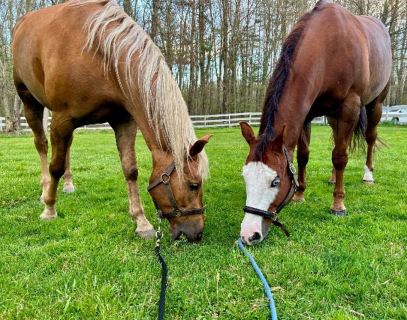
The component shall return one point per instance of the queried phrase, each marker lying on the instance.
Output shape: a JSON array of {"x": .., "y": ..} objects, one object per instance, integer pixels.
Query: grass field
[{"x": 88, "y": 265}]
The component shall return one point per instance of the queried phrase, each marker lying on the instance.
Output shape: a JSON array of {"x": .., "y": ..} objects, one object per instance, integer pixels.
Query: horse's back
[
  {"x": 50, "y": 61},
  {"x": 354, "y": 54}
]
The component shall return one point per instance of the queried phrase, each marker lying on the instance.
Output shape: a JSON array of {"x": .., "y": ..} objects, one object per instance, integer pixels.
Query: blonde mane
[{"x": 127, "y": 49}]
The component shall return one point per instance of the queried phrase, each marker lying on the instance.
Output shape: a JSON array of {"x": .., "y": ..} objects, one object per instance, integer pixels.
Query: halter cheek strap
[
  {"x": 165, "y": 179},
  {"x": 273, "y": 215}
]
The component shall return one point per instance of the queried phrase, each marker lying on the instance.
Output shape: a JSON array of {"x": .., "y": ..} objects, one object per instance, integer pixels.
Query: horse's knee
[
  {"x": 57, "y": 169},
  {"x": 131, "y": 173},
  {"x": 339, "y": 159},
  {"x": 41, "y": 143}
]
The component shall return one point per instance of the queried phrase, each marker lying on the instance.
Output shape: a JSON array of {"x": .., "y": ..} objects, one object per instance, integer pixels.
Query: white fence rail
[
  {"x": 233, "y": 119},
  {"x": 395, "y": 114}
]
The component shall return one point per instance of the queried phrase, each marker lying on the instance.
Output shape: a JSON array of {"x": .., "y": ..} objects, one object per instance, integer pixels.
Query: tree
[{"x": 221, "y": 52}]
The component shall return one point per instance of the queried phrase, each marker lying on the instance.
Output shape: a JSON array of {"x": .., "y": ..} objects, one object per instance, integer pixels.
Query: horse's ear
[
  {"x": 247, "y": 132},
  {"x": 198, "y": 146},
  {"x": 278, "y": 142}
]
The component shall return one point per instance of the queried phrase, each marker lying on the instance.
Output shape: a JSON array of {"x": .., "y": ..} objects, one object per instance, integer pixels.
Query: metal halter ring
[{"x": 165, "y": 178}]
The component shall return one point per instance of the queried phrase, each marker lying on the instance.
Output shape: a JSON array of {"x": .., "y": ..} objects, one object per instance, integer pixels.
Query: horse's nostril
[
  {"x": 199, "y": 236},
  {"x": 255, "y": 237}
]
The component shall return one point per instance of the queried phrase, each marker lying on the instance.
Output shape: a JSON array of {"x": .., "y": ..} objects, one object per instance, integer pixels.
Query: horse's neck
[
  {"x": 155, "y": 144},
  {"x": 298, "y": 97}
]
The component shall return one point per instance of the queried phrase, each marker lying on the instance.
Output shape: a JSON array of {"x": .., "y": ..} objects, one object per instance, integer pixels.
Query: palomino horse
[
  {"x": 332, "y": 63},
  {"x": 89, "y": 62}
]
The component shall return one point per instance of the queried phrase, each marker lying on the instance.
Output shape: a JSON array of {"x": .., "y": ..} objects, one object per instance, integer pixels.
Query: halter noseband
[
  {"x": 165, "y": 179},
  {"x": 272, "y": 215}
]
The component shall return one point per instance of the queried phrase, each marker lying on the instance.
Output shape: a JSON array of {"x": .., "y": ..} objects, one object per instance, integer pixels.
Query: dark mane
[{"x": 278, "y": 80}]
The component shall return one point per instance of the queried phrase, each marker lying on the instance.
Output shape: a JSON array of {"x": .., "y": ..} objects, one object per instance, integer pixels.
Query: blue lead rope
[{"x": 266, "y": 286}]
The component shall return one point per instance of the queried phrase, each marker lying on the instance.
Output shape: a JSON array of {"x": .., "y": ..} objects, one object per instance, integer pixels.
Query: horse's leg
[
  {"x": 332, "y": 123},
  {"x": 61, "y": 134},
  {"x": 125, "y": 138},
  {"x": 34, "y": 111},
  {"x": 302, "y": 160},
  {"x": 346, "y": 123},
  {"x": 332, "y": 178},
  {"x": 374, "y": 113},
  {"x": 68, "y": 182}
]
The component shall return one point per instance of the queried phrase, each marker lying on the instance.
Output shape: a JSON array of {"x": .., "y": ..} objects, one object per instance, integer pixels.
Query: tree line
[{"x": 221, "y": 52}]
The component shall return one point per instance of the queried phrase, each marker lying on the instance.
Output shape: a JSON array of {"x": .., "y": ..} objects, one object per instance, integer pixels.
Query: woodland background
[{"x": 221, "y": 52}]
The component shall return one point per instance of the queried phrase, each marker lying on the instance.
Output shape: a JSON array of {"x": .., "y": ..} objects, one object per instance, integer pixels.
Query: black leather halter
[
  {"x": 272, "y": 215},
  {"x": 165, "y": 179}
]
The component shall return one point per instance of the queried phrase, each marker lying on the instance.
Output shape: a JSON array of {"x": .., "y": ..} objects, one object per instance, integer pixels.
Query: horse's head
[
  {"x": 179, "y": 198},
  {"x": 270, "y": 184}
]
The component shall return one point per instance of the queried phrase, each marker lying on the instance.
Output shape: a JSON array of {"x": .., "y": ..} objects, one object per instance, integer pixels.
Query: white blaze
[{"x": 259, "y": 195}]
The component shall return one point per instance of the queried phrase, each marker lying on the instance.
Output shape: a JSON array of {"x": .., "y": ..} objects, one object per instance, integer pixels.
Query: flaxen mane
[
  {"x": 128, "y": 50},
  {"x": 278, "y": 81}
]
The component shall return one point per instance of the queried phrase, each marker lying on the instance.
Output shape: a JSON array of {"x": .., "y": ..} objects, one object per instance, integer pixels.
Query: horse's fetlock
[
  {"x": 339, "y": 194},
  {"x": 50, "y": 202}
]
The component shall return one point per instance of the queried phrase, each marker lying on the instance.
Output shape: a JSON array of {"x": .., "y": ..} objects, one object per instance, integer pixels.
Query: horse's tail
[
  {"x": 358, "y": 142},
  {"x": 380, "y": 142}
]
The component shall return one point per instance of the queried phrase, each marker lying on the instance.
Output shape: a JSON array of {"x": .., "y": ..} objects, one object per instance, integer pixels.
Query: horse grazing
[
  {"x": 89, "y": 62},
  {"x": 332, "y": 63}
]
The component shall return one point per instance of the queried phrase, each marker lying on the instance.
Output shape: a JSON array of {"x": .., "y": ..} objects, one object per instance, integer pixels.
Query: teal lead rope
[{"x": 266, "y": 286}]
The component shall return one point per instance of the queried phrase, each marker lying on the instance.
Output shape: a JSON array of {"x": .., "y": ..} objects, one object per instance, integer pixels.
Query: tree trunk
[
  {"x": 224, "y": 56},
  {"x": 202, "y": 55},
  {"x": 128, "y": 8},
  {"x": 154, "y": 19}
]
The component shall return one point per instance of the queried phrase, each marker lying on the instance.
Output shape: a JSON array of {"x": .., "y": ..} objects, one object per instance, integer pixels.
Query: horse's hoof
[
  {"x": 69, "y": 188},
  {"x": 49, "y": 214},
  {"x": 146, "y": 234},
  {"x": 339, "y": 213},
  {"x": 331, "y": 181},
  {"x": 368, "y": 182}
]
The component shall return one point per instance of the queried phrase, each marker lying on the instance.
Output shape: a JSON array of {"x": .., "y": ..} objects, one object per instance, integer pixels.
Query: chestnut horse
[
  {"x": 332, "y": 63},
  {"x": 89, "y": 62}
]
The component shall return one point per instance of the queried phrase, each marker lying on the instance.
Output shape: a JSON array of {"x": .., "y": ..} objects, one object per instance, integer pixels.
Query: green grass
[{"x": 88, "y": 265}]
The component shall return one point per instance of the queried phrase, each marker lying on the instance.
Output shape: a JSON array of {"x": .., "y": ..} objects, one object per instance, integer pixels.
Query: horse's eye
[
  {"x": 275, "y": 182},
  {"x": 194, "y": 186}
]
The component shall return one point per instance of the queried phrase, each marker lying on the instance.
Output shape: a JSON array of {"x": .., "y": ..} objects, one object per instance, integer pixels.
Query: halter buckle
[
  {"x": 177, "y": 213},
  {"x": 292, "y": 168},
  {"x": 165, "y": 178}
]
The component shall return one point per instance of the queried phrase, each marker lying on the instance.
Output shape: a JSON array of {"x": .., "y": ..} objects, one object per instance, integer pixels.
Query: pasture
[{"x": 88, "y": 265}]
